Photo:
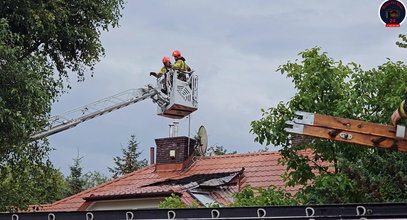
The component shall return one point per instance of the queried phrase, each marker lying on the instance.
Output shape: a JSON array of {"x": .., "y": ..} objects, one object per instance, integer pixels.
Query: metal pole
[{"x": 189, "y": 131}]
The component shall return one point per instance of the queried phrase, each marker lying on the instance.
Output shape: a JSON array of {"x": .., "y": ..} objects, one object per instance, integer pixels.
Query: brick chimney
[
  {"x": 299, "y": 139},
  {"x": 173, "y": 154}
]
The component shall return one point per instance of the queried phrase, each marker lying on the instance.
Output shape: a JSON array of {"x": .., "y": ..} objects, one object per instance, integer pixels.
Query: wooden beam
[
  {"x": 349, "y": 131},
  {"x": 355, "y": 126},
  {"x": 356, "y": 138}
]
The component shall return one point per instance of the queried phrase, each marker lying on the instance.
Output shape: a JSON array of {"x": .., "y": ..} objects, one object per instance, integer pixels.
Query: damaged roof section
[
  {"x": 204, "y": 180},
  {"x": 207, "y": 189}
]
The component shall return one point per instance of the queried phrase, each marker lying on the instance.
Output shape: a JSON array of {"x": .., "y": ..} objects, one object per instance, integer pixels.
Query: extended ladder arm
[
  {"x": 76, "y": 116},
  {"x": 350, "y": 131}
]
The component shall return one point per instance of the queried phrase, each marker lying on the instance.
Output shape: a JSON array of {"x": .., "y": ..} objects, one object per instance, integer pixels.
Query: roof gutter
[{"x": 131, "y": 196}]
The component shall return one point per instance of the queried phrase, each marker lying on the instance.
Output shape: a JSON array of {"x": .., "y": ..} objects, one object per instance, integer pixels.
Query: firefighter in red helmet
[
  {"x": 167, "y": 66},
  {"x": 180, "y": 65},
  {"x": 164, "y": 70}
]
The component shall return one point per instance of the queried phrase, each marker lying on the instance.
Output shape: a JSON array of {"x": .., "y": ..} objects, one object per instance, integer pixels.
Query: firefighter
[
  {"x": 401, "y": 111},
  {"x": 180, "y": 65},
  {"x": 164, "y": 70}
]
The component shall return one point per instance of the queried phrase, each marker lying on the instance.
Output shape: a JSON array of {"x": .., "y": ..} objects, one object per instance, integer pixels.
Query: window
[{"x": 204, "y": 198}]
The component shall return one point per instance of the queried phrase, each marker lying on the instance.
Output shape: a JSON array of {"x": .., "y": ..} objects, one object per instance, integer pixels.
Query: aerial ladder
[
  {"x": 175, "y": 99},
  {"x": 349, "y": 131}
]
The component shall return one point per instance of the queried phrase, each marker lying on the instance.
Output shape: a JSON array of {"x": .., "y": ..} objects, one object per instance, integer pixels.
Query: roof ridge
[
  {"x": 240, "y": 155},
  {"x": 103, "y": 184}
]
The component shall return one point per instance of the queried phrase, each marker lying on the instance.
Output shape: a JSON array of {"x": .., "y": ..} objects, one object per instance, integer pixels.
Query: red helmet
[
  {"x": 176, "y": 53},
  {"x": 166, "y": 59}
]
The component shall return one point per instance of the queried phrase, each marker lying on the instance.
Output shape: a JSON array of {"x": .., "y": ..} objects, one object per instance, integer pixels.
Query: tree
[
  {"x": 75, "y": 180},
  {"x": 175, "y": 202},
  {"x": 25, "y": 180},
  {"x": 36, "y": 39},
  {"x": 27, "y": 90},
  {"x": 129, "y": 161},
  {"x": 403, "y": 43},
  {"x": 329, "y": 87},
  {"x": 219, "y": 150},
  {"x": 94, "y": 178},
  {"x": 26, "y": 93},
  {"x": 257, "y": 196},
  {"x": 66, "y": 31}
]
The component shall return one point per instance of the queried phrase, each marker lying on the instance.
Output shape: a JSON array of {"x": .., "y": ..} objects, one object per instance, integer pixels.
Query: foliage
[
  {"x": 265, "y": 149},
  {"x": 330, "y": 87},
  {"x": 66, "y": 31},
  {"x": 219, "y": 150},
  {"x": 94, "y": 178},
  {"x": 75, "y": 180},
  {"x": 381, "y": 176},
  {"x": 37, "y": 38},
  {"x": 403, "y": 43},
  {"x": 337, "y": 188},
  {"x": 257, "y": 196},
  {"x": 27, "y": 91},
  {"x": 174, "y": 202},
  {"x": 129, "y": 162},
  {"x": 25, "y": 180}
]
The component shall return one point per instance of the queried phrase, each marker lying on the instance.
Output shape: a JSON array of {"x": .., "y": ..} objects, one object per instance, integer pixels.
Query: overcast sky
[{"x": 234, "y": 46}]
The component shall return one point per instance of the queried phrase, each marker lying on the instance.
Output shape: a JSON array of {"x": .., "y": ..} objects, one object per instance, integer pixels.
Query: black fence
[{"x": 347, "y": 211}]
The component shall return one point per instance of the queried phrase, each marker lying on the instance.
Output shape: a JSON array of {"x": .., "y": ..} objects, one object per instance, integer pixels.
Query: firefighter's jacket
[
  {"x": 182, "y": 68},
  {"x": 163, "y": 71}
]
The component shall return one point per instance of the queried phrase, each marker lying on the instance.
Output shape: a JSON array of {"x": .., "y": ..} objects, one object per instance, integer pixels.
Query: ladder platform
[
  {"x": 182, "y": 96},
  {"x": 177, "y": 111}
]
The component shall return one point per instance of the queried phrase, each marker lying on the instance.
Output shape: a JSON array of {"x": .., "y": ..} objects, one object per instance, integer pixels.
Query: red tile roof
[{"x": 258, "y": 169}]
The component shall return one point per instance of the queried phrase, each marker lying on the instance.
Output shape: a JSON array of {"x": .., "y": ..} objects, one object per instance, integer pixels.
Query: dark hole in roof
[{"x": 199, "y": 178}]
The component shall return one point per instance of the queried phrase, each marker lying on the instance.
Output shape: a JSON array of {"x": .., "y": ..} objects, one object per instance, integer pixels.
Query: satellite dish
[{"x": 202, "y": 142}]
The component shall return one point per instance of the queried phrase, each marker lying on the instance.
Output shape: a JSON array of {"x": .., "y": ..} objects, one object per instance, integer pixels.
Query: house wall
[{"x": 126, "y": 204}]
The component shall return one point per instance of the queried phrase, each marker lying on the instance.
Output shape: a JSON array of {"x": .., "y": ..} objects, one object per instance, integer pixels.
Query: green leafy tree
[
  {"x": 334, "y": 188},
  {"x": 175, "y": 202},
  {"x": 257, "y": 196},
  {"x": 26, "y": 93},
  {"x": 66, "y": 31},
  {"x": 27, "y": 90},
  {"x": 403, "y": 42},
  {"x": 94, "y": 178},
  {"x": 36, "y": 39},
  {"x": 25, "y": 180},
  {"x": 219, "y": 150},
  {"x": 129, "y": 161},
  {"x": 330, "y": 87}
]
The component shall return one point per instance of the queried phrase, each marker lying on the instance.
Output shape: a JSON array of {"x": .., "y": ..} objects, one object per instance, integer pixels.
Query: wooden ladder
[{"x": 349, "y": 131}]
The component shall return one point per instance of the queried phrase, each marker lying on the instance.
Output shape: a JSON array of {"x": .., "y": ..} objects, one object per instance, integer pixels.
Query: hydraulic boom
[{"x": 179, "y": 101}]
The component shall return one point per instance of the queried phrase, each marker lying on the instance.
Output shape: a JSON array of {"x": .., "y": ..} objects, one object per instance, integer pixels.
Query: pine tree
[
  {"x": 75, "y": 180},
  {"x": 129, "y": 161}
]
